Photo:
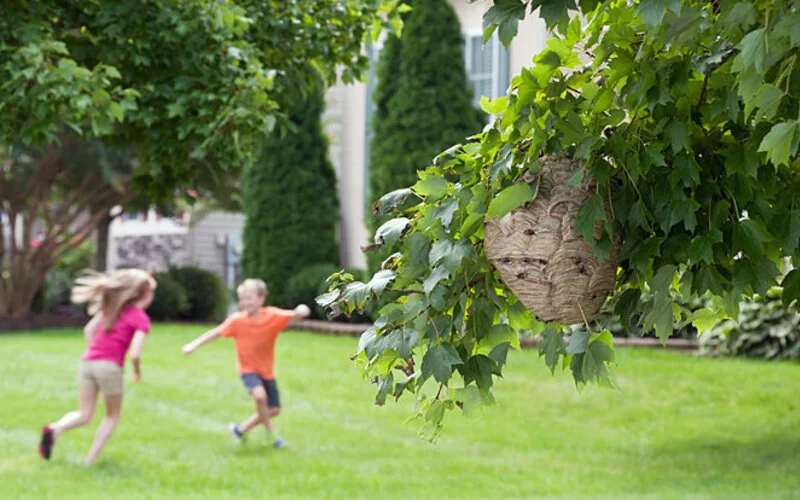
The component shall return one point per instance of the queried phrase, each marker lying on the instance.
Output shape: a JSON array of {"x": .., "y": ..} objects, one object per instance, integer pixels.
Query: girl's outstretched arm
[
  {"x": 90, "y": 330},
  {"x": 205, "y": 338},
  {"x": 136, "y": 354}
]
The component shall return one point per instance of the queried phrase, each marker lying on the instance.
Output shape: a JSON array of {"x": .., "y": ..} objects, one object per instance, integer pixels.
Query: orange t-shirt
[{"x": 255, "y": 339}]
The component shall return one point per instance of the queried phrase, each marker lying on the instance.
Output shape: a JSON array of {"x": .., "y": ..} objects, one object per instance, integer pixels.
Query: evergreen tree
[
  {"x": 291, "y": 202},
  {"x": 423, "y": 101}
]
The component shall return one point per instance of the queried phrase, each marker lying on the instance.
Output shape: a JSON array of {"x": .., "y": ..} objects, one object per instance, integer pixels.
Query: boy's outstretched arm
[{"x": 205, "y": 338}]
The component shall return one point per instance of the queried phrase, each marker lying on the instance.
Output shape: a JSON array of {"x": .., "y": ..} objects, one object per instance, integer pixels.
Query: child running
[
  {"x": 255, "y": 329},
  {"x": 117, "y": 303}
]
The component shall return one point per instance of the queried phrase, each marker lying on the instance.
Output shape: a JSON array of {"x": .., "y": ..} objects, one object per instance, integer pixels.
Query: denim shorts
[{"x": 253, "y": 380}]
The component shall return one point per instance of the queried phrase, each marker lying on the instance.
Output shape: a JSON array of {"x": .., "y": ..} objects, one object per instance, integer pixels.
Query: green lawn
[{"x": 678, "y": 427}]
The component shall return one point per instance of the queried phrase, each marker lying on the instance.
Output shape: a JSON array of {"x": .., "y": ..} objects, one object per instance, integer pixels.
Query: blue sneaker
[
  {"x": 238, "y": 436},
  {"x": 280, "y": 443}
]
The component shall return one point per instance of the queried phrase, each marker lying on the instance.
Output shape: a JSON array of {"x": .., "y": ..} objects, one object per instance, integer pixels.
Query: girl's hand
[
  {"x": 188, "y": 349},
  {"x": 137, "y": 376}
]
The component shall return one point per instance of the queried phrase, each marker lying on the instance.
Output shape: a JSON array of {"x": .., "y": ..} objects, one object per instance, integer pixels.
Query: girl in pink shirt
[{"x": 117, "y": 303}]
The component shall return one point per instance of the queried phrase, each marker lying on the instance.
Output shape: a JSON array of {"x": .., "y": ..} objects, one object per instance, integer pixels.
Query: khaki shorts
[{"x": 104, "y": 376}]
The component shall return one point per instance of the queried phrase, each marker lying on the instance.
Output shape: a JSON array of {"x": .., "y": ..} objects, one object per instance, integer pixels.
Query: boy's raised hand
[{"x": 302, "y": 311}]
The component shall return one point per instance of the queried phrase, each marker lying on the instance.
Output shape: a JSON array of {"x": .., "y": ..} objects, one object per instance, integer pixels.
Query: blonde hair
[
  {"x": 110, "y": 293},
  {"x": 256, "y": 285}
]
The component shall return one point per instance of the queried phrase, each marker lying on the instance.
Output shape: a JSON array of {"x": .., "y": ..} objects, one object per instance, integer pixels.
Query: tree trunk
[{"x": 101, "y": 259}]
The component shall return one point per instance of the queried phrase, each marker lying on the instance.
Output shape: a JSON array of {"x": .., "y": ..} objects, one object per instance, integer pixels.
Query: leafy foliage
[
  {"x": 291, "y": 203},
  {"x": 155, "y": 97},
  {"x": 685, "y": 115},
  {"x": 205, "y": 292},
  {"x": 423, "y": 102},
  {"x": 764, "y": 329},
  {"x": 111, "y": 70}
]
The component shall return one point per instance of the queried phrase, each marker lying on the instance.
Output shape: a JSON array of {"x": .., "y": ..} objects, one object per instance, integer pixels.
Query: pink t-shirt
[{"x": 112, "y": 345}]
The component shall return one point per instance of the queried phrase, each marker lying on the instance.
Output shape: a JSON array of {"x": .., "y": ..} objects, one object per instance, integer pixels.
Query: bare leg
[
  {"x": 106, "y": 428},
  {"x": 73, "y": 419},
  {"x": 260, "y": 398},
  {"x": 255, "y": 419}
]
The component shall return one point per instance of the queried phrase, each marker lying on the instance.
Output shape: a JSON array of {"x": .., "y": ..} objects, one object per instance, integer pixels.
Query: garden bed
[
  {"x": 42, "y": 322},
  {"x": 356, "y": 329}
]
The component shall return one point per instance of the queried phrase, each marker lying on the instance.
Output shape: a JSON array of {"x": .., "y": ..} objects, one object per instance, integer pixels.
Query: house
[{"x": 215, "y": 241}]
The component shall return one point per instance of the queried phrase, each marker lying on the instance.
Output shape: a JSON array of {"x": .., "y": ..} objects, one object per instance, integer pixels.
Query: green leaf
[
  {"x": 577, "y": 342},
  {"x": 390, "y": 231},
  {"x": 768, "y": 100},
  {"x": 679, "y": 134},
  {"x": 663, "y": 279},
  {"x": 661, "y": 318},
  {"x": 509, "y": 199},
  {"x": 500, "y": 353},
  {"x": 450, "y": 253},
  {"x": 791, "y": 287},
  {"x": 402, "y": 342},
  {"x": 627, "y": 306},
  {"x": 480, "y": 368},
  {"x": 701, "y": 248},
  {"x": 599, "y": 353},
  {"x": 749, "y": 236},
  {"x": 445, "y": 211},
  {"x": 780, "y": 142},
  {"x": 590, "y": 212},
  {"x": 439, "y": 361},
  {"x": 497, "y": 335},
  {"x": 494, "y": 106},
  {"x": 753, "y": 273},
  {"x": 552, "y": 347},
  {"x": 438, "y": 274},
  {"x": 472, "y": 399},
  {"x": 381, "y": 280},
  {"x": 742, "y": 16},
  {"x": 576, "y": 366},
  {"x": 505, "y": 14},
  {"x": 117, "y": 111},
  {"x": 704, "y": 319},
  {"x": 366, "y": 339},
  {"x": 553, "y": 11},
  {"x": 391, "y": 200},
  {"x": 432, "y": 187},
  {"x": 754, "y": 50},
  {"x": 652, "y": 11}
]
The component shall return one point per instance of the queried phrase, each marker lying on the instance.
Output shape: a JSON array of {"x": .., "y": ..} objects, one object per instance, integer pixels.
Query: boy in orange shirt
[{"x": 255, "y": 329}]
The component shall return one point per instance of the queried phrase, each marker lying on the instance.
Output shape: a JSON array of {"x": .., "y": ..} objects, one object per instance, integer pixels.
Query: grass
[{"x": 678, "y": 427}]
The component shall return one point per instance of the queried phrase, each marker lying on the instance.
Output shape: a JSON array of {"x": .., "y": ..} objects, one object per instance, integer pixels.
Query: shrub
[
  {"x": 305, "y": 286},
  {"x": 57, "y": 289},
  {"x": 205, "y": 292},
  {"x": 170, "y": 300},
  {"x": 291, "y": 201},
  {"x": 764, "y": 329}
]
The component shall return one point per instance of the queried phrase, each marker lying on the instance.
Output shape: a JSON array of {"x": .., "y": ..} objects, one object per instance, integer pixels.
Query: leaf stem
[{"x": 403, "y": 290}]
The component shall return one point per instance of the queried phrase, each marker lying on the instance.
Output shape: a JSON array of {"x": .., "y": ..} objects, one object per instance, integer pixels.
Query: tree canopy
[
  {"x": 686, "y": 117},
  {"x": 188, "y": 88}
]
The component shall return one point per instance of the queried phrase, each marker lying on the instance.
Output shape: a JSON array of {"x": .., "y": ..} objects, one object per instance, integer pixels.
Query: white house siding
[{"x": 207, "y": 240}]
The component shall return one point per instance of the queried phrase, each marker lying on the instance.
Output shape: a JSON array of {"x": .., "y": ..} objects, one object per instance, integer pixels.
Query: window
[{"x": 487, "y": 67}]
